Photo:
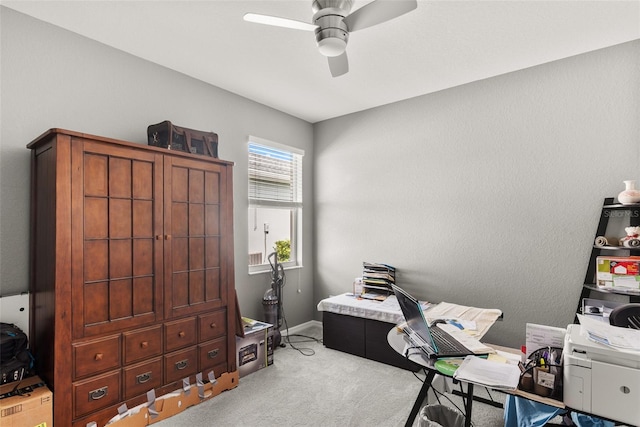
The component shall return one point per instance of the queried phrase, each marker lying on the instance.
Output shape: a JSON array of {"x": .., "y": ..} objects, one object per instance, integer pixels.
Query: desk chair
[{"x": 626, "y": 316}]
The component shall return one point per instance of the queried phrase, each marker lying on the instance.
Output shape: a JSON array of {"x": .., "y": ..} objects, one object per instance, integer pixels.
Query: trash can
[{"x": 439, "y": 416}]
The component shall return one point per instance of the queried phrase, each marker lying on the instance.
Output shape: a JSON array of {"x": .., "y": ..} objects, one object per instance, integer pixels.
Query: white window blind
[{"x": 275, "y": 175}]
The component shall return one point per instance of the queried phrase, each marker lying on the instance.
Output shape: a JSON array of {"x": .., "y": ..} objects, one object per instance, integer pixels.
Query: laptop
[{"x": 432, "y": 340}]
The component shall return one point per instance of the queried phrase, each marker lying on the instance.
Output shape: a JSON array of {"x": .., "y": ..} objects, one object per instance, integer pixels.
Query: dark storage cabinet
[{"x": 362, "y": 337}]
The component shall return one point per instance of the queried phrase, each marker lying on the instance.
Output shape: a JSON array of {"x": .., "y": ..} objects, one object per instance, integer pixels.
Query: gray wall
[
  {"x": 487, "y": 194},
  {"x": 54, "y": 78}
]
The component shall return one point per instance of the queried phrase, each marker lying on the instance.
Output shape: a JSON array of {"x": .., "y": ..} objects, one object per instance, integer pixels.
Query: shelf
[
  {"x": 379, "y": 287},
  {"x": 618, "y": 291},
  {"x": 621, "y": 206},
  {"x": 616, "y": 248},
  {"x": 628, "y": 213}
]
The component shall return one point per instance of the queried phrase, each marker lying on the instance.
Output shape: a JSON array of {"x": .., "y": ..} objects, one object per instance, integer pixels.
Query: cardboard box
[
  {"x": 622, "y": 272},
  {"x": 176, "y": 402},
  {"x": 173, "y": 403},
  {"x": 255, "y": 350},
  {"x": 26, "y": 403}
]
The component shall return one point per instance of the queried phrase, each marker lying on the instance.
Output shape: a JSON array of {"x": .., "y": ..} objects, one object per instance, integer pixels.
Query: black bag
[
  {"x": 17, "y": 368},
  {"x": 16, "y": 361},
  {"x": 12, "y": 341},
  {"x": 172, "y": 137}
]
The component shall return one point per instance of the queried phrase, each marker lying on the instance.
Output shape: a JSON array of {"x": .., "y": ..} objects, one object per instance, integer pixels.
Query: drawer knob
[
  {"x": 182, "y": 364},
  {"x": 181, "y": 334},
  {"x": 98, "y": 356},
  {"x": 143, "y": 378},
  {"x": 212, "y": 354},
  {"x": 144, "y": 344},
  {"x": 98, "y": 393},
  {"x": 213, "y": 325}
]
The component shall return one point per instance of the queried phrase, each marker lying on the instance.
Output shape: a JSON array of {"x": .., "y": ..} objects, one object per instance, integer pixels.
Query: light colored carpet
[{"x": 327, "y": 388}]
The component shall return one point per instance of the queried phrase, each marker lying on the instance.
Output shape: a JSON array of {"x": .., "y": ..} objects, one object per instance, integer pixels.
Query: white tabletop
[
  {"x": 399, "y": 342},
  {"x": 389, "y": 311},
  {"x": 385, "y": 311}
]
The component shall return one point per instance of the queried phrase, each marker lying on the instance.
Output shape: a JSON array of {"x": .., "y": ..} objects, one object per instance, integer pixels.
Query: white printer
[{"x": 599, "y": 379}]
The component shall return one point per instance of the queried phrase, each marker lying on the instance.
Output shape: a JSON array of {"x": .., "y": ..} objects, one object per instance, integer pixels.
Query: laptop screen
[{"x": 414, "y": 315}]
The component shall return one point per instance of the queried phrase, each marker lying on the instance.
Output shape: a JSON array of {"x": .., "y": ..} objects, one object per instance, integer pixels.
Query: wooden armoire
[{"x": 132, "y": 273}]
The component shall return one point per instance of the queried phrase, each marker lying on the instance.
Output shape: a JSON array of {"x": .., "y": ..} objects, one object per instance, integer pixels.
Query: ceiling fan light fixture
[{"x": 332, "y": 46}]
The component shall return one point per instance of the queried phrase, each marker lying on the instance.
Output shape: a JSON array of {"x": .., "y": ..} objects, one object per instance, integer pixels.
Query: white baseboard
[{"x": 295, "y": 329}]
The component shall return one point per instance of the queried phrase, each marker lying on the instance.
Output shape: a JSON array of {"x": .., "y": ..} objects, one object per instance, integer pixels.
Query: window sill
[{"x": 267, "y": 269}]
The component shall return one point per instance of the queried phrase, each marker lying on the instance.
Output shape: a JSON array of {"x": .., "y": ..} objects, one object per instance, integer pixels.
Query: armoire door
[
  {"x": 117, "y": 265},
  {"x": 195, "y": 264}
]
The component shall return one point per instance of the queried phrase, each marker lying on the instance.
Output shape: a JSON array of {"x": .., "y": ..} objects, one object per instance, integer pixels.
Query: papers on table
[
  {"x": 468, "y": 341},
  {"x": 488, "y": 373},
  {"x": 505, "y": 357},
  {"x": 542, "y": 336},
  {"x": 480, "y": 319},
  {"x": 612, "y": 336}
]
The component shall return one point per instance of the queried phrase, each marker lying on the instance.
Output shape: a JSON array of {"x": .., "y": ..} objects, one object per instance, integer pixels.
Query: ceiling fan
[{"x": 332, "y": 22}]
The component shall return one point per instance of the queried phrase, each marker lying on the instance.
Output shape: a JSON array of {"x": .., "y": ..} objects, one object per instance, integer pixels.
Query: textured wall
[
  {"x": 487, "y": 194},
  {"x": 54, "y": 78}
]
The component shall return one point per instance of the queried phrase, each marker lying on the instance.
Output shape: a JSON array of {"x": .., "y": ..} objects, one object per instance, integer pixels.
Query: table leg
[
  {"x": 467, "y": 406},
  {"x": 422, "y": 395}
]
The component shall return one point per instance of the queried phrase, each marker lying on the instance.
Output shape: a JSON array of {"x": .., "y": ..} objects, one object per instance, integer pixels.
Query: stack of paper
[
  {"x": 613, "y": 336},
  {"x": 377, "y": 280},
  {"x": 488, "y": 373},
  {"x": 468, "y": 341},
  {"x": 483, "y": 318}
]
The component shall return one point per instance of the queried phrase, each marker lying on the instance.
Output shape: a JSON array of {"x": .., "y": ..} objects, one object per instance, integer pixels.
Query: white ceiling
[{"x": 439, "y": 45}]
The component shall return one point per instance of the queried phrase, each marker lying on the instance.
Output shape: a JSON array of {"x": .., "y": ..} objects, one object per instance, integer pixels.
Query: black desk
[{"x": 397, "y": 340}]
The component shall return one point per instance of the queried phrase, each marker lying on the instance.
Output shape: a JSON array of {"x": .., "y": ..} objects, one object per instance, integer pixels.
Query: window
[{"x": 275, "y": 204}]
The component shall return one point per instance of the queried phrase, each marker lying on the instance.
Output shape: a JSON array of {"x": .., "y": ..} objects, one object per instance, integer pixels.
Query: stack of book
[{"x": 377, "y": 280}]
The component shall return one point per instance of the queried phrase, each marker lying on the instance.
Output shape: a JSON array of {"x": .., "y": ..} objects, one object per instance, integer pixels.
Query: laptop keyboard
[{"x": 446, "y": 344}]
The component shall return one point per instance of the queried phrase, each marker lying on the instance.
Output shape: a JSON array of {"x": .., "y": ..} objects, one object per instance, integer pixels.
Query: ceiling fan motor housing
[
  {"x": 344, "y": 5},
  {"x": 332, "y": 33}
]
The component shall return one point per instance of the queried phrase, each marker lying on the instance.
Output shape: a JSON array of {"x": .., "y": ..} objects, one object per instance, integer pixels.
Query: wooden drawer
[
  {"x": 96, "y": 393},
  {"x": 180, "y": 334},
  {"x": 142, "y": 344},
  {"x": 212, "y": 353},
  {"x": 213, "y": 325},
  {"x": 93, "y": 357},
  {"x": 140, "y": 378},
  {"x": 180, "y": 364}
]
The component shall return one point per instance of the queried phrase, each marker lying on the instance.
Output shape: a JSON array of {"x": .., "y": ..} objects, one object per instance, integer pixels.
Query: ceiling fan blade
[
  {"x": 338, "y": 65},
  {"x": 279, "y": 22},
  {"x": 377, "y": 12}
]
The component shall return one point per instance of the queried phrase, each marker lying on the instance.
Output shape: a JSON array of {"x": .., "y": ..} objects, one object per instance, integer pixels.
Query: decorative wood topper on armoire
[{"x": 132, "y": 275}]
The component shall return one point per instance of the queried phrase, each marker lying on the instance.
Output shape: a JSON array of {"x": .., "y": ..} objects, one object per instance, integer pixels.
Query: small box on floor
[
  {"x": 255, "y": 350},
  {"x": 26, "y": 403}
]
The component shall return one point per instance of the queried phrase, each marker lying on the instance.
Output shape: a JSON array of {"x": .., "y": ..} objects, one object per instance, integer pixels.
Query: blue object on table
[
  {"x": 583, "y": 420},
  {"x": 521, "y": 412}
]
